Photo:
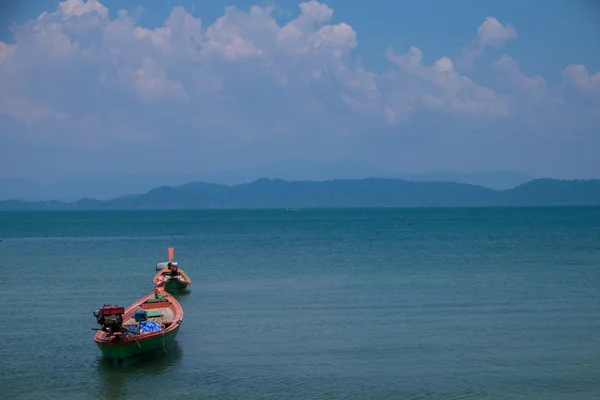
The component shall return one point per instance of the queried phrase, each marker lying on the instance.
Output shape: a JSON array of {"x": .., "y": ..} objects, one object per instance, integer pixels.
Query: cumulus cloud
[
  {"x": 491, "y": 33},
  {"x": 578, "y": 77},
  {"x": 439, "y": 87},
  {"x": 77, "y": 73},
  {"x": 532, "y": 90},
  {"x": 151, "y": 83},
  {"x": 533, "y": 102},
  {"x": 5, "y": 51}
]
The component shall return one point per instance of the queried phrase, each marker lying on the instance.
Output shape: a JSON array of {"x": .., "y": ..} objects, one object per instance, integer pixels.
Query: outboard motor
[
  {"x": 110, "y": 318},
  {"x": 173, "y": 268}
]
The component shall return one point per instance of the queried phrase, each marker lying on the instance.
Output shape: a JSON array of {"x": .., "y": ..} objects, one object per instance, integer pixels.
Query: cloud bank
[{"x": 77, "y": 78}]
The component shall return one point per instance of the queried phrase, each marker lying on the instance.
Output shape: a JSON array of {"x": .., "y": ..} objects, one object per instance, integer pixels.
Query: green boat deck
[{"x": 163, "y": 315}]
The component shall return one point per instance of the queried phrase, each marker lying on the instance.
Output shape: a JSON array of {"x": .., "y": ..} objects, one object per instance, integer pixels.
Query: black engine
[{"x": 110, "y": 318}]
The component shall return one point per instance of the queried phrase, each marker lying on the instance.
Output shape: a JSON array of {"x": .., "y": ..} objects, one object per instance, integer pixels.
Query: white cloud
[
  {"x": 412, "y": 85},
  {"x": 533, "y": 89},
  {"x": 151, "y": 83},
  {"x": 491, "y": 33},
  {"x": 510, "y": 67},
  {"x": 28, "y": 112},
  {"x": 537, "y": 106},
  {"x": 578, "y": 76},
  {"x": 5, "y": 51},
  {"x": 229, "y": 36},
  {"x": 77, "y": 8},
  {"x": 243, "y": 73}
]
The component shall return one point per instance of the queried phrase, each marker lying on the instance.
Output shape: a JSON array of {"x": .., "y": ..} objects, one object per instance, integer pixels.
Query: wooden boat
[
  {"x": 170, "y": 276},
  {"x": 149, "y": 324}
]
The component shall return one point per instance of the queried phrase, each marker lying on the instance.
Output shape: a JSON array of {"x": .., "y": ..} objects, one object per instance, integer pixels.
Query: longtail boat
[
  {"x": 170, "y": 276},
  {"x": 149, "y": 324}
]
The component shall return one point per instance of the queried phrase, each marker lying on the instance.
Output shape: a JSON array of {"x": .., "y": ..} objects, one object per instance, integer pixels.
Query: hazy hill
[
  {"x": 370, "y": 192},
  {"x": 109, "y": 187}
]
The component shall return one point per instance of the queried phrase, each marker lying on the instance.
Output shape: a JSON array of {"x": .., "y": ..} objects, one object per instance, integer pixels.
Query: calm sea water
[{"x": 311, "y": 304}]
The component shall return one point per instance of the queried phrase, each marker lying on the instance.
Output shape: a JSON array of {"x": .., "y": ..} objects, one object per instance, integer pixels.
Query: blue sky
[{"x": 408, "y": 86}]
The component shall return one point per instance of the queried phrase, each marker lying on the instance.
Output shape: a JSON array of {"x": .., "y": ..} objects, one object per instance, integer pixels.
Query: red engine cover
[{"x": 112, "y": 310}]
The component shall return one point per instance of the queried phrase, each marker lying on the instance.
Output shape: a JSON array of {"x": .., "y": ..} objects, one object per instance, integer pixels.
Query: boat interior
[
  {"x": 168, "y": 276},
  {"x": 159, "y": 310}
]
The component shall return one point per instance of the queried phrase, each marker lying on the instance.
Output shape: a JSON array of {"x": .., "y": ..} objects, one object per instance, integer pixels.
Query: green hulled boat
[
  {"x": 170, "y": 276},
  {"x": 149, "y": 324}
]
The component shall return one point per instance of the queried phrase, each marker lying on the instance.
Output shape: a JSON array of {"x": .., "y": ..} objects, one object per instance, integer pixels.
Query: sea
[{"x": 415, "y": 303}]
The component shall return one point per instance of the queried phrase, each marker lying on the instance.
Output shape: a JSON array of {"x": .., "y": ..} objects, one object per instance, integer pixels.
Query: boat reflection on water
[
  {"x": 181, "y": 294},
  {"x": 119, "y": 380}
]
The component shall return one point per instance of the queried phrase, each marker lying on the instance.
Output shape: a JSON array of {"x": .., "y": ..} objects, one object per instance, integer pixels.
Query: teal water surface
[{"x": 312, "y": 304}]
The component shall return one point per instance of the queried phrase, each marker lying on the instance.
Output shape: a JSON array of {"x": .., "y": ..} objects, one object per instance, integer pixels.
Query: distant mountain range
[
  {"x": 109, "y": 187},
  {"x": 369, "y": 192}
]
